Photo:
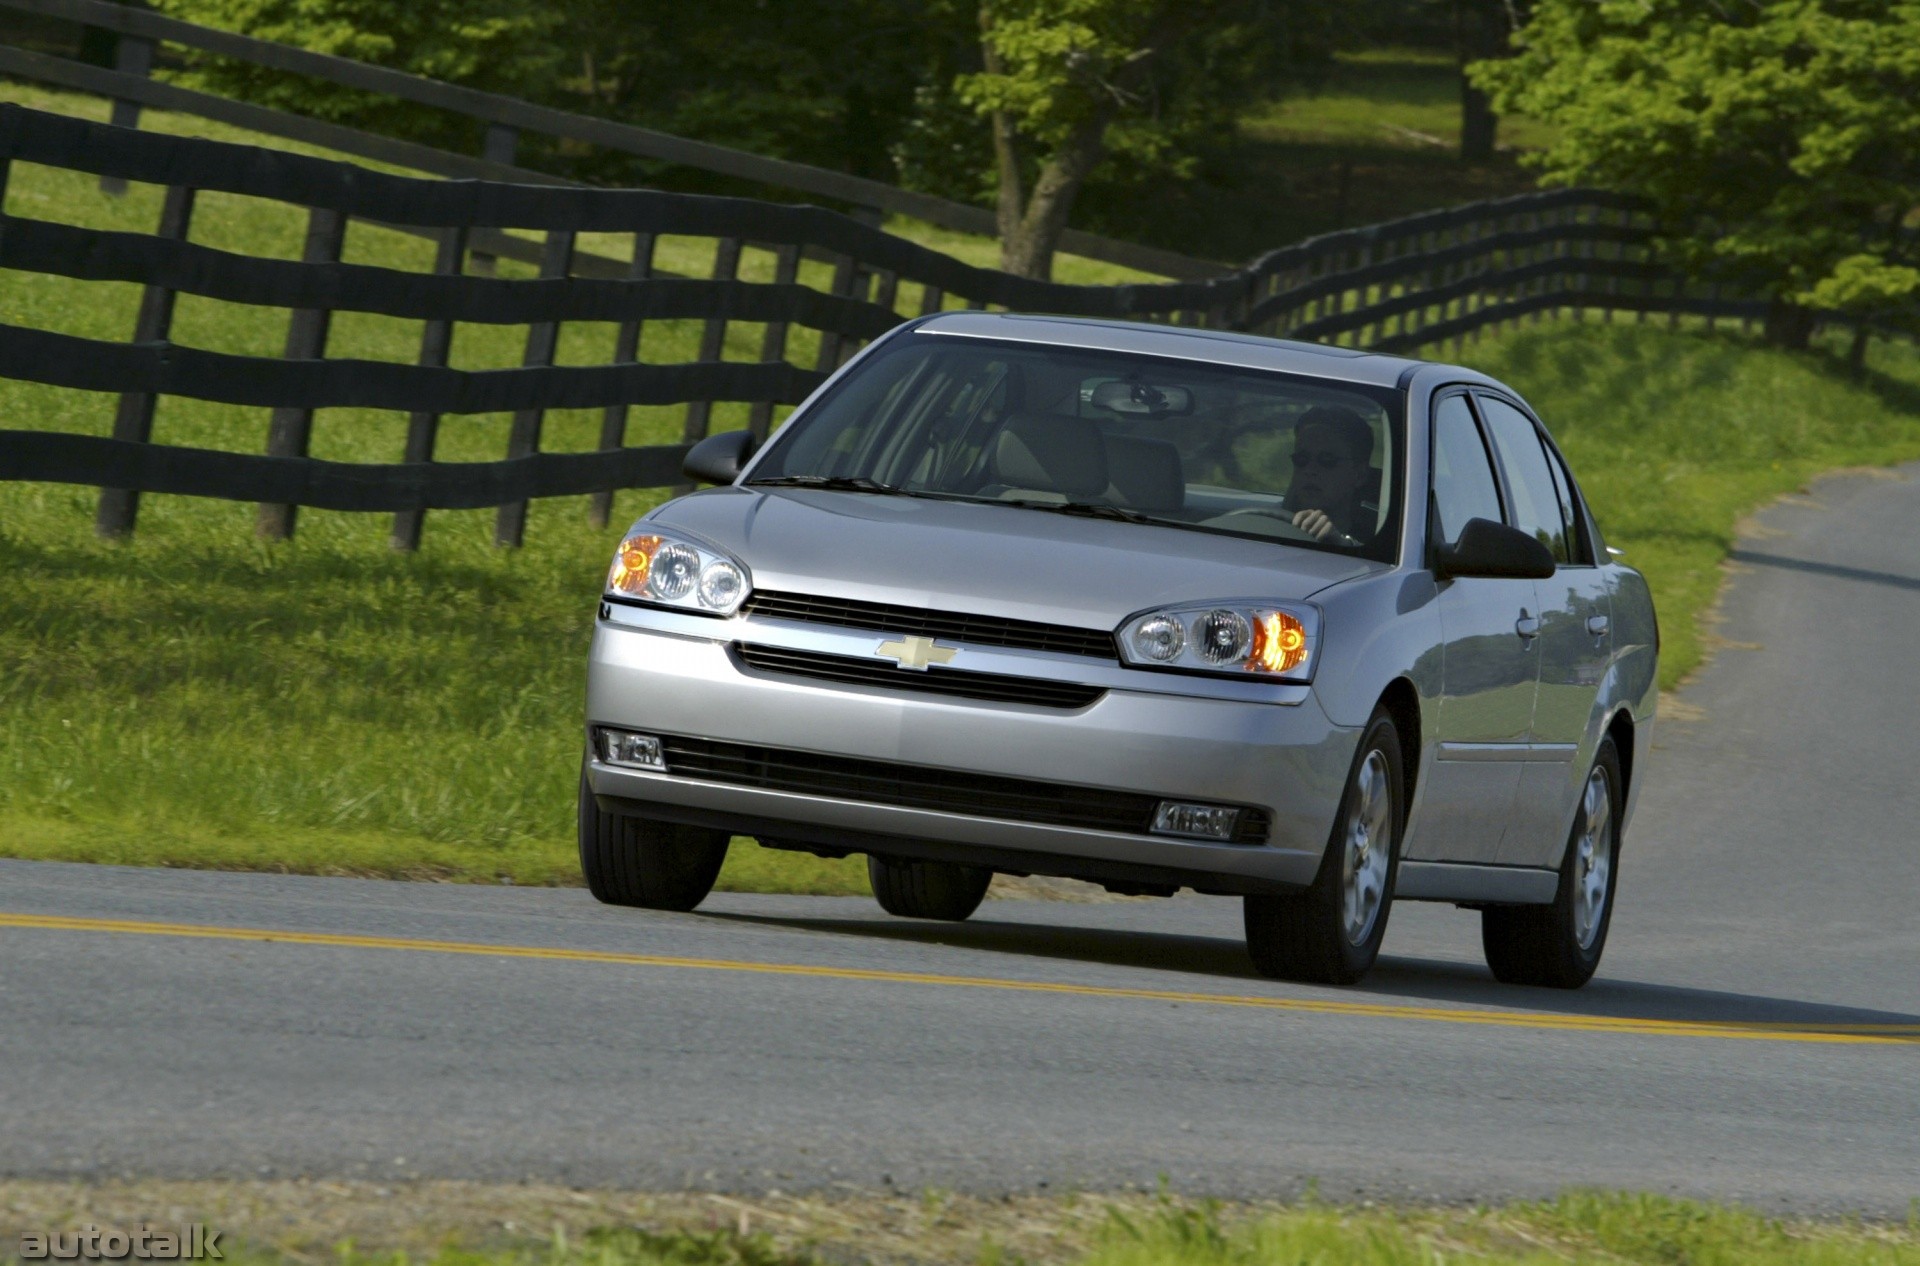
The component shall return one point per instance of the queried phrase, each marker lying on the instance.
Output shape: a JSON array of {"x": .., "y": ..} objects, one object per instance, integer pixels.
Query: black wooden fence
[{"x": 1392, "y": 287}]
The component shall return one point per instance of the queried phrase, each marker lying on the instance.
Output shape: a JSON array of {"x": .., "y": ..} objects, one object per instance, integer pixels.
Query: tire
[
  {"x": 1331, "y": 933},
  {"x": 642, "y": 862},
  {"x": 927, "y": 890},
  {"x": 1559, "y": 945}
]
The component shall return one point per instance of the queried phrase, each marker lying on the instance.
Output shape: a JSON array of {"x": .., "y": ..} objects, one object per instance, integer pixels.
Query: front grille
[
  {"x": 853, "y": 670},
  {"x": 921, "y": 787},
  {"x": 977, "y": 630}
]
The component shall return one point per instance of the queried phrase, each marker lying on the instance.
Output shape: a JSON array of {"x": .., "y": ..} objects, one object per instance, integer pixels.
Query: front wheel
[
  {"x": 1331, "y": 933},
  {"x": 647, "y": 863},
  {"x": 1559, "y": 945},
  {"x": 927, "y": 890}
]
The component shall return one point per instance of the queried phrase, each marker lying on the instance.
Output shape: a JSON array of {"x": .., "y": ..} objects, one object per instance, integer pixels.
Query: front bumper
[{"x": 1230, "y": 742}]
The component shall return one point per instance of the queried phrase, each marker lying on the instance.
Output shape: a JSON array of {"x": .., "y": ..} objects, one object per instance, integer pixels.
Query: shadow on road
[
  {"x": 1757, "y": 559},
  {"x": 1425, "y": 980}
]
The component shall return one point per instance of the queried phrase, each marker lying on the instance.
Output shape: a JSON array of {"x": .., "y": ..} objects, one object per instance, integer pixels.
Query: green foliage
[
  {"x": 829, "y": 84},
  {"x": 1136, "y": 88},
  {"x": 496, "y": 45},
  {"x": 1778, "y": 139}
]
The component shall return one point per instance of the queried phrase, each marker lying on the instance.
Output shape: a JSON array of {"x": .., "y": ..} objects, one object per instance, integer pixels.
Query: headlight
[
  {"x": 660, "y": 566},
  {"x": 1271, "y": 640}
]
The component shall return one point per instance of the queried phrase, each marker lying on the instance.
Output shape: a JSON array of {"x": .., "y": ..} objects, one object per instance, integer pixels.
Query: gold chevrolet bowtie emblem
[{"x": 917, "y": 652}]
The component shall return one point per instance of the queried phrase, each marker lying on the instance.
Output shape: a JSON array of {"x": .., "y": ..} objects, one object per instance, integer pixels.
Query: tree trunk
[
  {"x": 1027, "y": 251},
  {"x": 1857, "y": 351},
  {"x": 1478, "y": 124},
  {"x": 1789, "y": 325},
  {"x": 1480, "y": 31},
  {"x": 1010, "y": 197}
]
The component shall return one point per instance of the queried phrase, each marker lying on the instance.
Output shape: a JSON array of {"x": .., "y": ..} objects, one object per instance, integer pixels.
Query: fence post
[
  {"x": 436, "y": 344},
  {"x": 773, "y": 345},
  {"x": 132, "y": 55},
  {"x": 626, "y": 350},
  {"x": 931, "y": 300},
  {"x": 886, "y": 289},
  {"x": 133, "y": 420},
  {"x": 543, "y": 337},
  {"x": 499, "y": 144},
  {"x": 830, "y": 340},
  {"x": 291, "y": 429},
  {"x": 713, "y": 338}
]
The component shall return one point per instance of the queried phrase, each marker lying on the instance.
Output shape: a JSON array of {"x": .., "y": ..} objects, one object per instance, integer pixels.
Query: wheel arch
[
  {"x": 1620, "y": 730},
  {"x": 1402, "y": 703}
]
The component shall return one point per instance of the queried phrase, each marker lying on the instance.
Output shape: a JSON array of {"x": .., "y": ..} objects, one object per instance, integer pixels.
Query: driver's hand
[{"x": 1314, "y": 523}]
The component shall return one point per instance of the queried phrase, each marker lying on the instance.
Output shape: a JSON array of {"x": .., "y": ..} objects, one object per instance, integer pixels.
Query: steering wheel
[{"x": 1278, "y": 524}]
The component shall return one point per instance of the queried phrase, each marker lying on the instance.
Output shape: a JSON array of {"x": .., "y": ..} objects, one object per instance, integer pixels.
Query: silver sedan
[{"x": 1151, "y": 607}]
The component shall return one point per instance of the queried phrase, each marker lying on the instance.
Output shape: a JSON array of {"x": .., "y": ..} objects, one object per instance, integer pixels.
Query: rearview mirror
[
  {"x": 1486, "y": 548},
  {"x": 719, "y": 459},
  {"x": 1139, "y": 399}
]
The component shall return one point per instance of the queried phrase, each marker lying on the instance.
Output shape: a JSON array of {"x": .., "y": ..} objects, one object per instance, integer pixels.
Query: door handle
[
  {"x": 1597, "y": 625},
  {"x": 1527, "y": 626}
]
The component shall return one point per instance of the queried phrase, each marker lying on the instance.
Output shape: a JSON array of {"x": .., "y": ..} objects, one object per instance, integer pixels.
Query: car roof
[{"x": 1219, "y": 347}]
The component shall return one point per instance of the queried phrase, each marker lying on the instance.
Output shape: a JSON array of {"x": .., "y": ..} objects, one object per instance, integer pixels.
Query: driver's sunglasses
[{"x": 1325, "y": 460}]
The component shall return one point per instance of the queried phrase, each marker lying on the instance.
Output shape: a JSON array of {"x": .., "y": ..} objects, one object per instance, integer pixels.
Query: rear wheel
[
  {"x": 1331, "y": 933},
  {"x": 642, "y": 862},
  {"x": 927, "y": 890},
  {"x": 1559, "y": 945}
]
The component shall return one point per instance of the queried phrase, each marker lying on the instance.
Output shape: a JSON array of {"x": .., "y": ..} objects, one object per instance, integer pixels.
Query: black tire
[
  {"x": 642, "y": 862},
  {"x": 927, "y": 890},
  {"x": 1559, "y": 945},
  {"x": 1305, "y": 936}
]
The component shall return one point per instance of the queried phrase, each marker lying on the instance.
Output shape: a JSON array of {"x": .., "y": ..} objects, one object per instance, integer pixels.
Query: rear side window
[
  {"x": 1536, "y": 502},
  {"x": 1579, "y": 549},
  {"x": 1463, "y": 484}
]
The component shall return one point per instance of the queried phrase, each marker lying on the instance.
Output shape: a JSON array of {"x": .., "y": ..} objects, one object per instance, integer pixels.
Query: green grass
[
  {"x": 1578, "y": 1229},
  {"x": 193, "y": 697}
]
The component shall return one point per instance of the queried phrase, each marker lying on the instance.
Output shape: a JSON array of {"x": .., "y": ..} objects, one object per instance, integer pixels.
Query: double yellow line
[{"x": 1762, "y": 1030}]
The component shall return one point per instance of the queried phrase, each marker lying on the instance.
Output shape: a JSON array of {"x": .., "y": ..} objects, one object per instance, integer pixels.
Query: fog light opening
[
  {"x": 1195, "y": 821},
  {"x": 632, "y": 751}
]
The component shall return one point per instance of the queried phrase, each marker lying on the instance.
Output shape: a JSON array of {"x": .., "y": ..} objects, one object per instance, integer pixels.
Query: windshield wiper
[
  {"x": 1088, "y": 510},
  {"x": 832, "y": 483}
]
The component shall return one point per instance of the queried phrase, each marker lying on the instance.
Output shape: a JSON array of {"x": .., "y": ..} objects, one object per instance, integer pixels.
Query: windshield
[{"x": 1204, "y": 447}]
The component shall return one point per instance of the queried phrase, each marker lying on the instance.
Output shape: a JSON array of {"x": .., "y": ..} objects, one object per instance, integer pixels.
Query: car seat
[
  {"x": 1145, "y": 474},
  {"x": 1049, "y": 457}
]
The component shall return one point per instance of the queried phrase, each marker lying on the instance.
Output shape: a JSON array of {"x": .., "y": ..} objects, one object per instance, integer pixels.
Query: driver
[{"x": 1332, "y": 453}]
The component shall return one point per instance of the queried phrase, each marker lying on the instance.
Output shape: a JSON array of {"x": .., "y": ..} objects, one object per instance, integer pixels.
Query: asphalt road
[{"x": 1754, "y": 1033}]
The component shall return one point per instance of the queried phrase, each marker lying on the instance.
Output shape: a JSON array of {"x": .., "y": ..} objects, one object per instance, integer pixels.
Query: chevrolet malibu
[{"x": 1151, "y": 607}]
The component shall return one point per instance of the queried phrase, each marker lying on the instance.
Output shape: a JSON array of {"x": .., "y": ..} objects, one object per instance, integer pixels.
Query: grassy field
[
  {"x": 470, "y": 1224},
  {"x": 193, "y": 697}
]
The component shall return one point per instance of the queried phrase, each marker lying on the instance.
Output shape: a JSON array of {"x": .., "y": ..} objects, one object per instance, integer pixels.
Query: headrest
[
  {"x": 1146, "y": 474},
  {"x": 1049, "y": 452}
]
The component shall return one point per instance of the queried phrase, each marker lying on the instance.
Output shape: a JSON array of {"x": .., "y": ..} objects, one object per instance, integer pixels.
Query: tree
[
  {"x": 497, "y": 45},
  {"x": 1777, "y": 140},
  {"x": 1068, "y": 84},
  {"x": 827, "y": 84}
]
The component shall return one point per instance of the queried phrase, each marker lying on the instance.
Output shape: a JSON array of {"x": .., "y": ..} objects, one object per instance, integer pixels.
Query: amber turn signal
[{"x": 1279, "y": 643}]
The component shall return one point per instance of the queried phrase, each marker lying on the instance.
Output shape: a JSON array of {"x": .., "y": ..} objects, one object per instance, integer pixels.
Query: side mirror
[
  {"x": 1486, "y": 548},
  {"x": 718, "y": 459}
]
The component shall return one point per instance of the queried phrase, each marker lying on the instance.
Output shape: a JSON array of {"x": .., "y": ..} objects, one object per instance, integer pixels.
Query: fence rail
[{"x": 1391, "y": 287}]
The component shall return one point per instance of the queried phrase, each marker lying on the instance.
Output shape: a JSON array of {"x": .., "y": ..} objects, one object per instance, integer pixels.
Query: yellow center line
[{"x": 1773, "y": 1031}]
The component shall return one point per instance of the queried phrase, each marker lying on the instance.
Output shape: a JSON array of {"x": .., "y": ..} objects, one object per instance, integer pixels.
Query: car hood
[{"x": 991, "y": 559}]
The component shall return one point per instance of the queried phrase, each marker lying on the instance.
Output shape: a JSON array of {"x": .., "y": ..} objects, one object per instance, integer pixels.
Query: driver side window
[{"x": 1463, "y": 484}]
